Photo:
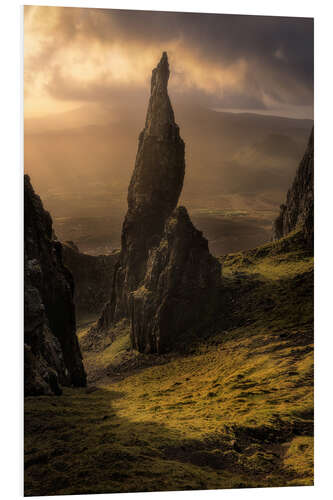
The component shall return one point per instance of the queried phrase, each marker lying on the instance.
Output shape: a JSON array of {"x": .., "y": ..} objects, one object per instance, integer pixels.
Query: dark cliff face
[
  {"x": 166, "y": 279},
  {"x": 180, "y": 288},
  {"x": 53, "y": 355},
  {"x": 92, "y": 277},
  {"x": 297, "y": 212}
]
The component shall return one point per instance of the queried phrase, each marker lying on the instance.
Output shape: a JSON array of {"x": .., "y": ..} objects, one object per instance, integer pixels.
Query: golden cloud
[{"x": 58, "y": 41}]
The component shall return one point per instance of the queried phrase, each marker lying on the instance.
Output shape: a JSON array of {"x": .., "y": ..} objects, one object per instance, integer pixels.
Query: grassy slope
[{"x": 235, "y": 410}]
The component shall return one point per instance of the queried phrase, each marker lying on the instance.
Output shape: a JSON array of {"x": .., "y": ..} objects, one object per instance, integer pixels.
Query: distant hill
[{"x": 81, "y": 160}]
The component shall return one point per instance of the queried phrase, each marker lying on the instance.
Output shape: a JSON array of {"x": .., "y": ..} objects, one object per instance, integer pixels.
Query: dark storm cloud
[
  {"x": 219, "y": 36},
  {"x": 224, "y": 61},
  {"x": 281, "y": 45}
]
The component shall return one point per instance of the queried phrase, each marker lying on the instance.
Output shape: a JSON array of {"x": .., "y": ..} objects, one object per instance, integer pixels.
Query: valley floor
[{"x": 233, "y": 410}]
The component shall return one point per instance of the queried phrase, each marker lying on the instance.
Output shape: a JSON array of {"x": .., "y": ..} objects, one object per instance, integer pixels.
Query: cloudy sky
[
  {"x": 76, "y": 56},
  {"x": 87, "y": 81}
]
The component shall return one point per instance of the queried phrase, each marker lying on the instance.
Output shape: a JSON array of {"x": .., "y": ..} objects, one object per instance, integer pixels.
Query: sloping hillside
[{"x": 234, "y": 409}]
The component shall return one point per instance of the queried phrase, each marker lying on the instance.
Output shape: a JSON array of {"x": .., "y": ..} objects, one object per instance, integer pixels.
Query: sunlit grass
[{"x": 235, "y": 410}]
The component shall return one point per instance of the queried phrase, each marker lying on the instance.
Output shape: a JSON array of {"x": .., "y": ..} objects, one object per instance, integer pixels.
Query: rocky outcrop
[
  {"x": 52, "y": 353},
  {"x": 92, "y": 277},
  {"x": 44, "y": 368},
  {"x": 180, "y": 289},
  {"x": 297, "y": 212},
  {"x": 166, "y": 280}
]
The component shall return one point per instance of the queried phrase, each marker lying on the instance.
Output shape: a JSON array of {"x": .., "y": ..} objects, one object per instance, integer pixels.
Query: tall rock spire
[
  {"x": 160, "y": 117},
  {"x": 159, "y": 170},
  {"x": 153, "y": 193},
  {"x": 166, "y": 280}
]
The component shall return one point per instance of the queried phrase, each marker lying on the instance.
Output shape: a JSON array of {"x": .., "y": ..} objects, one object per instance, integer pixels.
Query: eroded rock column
[
  {"x": 166, "y": 280},
  {"x": 153, "y": 194}
]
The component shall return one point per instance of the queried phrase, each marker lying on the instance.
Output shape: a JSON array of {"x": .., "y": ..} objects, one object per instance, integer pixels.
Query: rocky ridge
[
  {"x": 297, "y": 211},
  {"x": 92, "y": 277},
  {"x": 52, "y": 352},
  {"x": 155, "y": 235}
]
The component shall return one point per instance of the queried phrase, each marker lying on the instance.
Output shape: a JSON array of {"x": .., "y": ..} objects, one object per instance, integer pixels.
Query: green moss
[
  {"x": 235, "y": 410},
  {"x": 299, "y": 458}
]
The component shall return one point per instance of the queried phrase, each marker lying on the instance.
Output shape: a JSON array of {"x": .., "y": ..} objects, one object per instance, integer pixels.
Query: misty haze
[{"x": 238, "y": 165}]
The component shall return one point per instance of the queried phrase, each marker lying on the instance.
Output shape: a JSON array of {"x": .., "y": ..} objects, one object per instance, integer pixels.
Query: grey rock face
[
  {"x": 297, "y": 212},
  {"x": 180, "y": 289},
  {"x": 53, "y": 356},
  {"x": 166, "y": 280}
]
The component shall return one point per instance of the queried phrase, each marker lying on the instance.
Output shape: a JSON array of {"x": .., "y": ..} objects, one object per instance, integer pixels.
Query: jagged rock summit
[
  {"x": 52, "y": 352},
  {"x": 180, "y": 288},
  {"x": 151, "y": 221},
  {"x": 297, "y": 212}
]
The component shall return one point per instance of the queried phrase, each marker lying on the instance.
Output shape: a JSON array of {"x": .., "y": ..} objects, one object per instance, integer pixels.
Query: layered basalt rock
[
  {"x": 153, "y": 194},
  {"x": 298, "y": 210},
  {"x": 166, "y": 280},
  {"x": 180, "y": 289},
  {"x": 52, "y": 352}
]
